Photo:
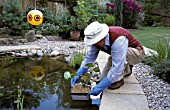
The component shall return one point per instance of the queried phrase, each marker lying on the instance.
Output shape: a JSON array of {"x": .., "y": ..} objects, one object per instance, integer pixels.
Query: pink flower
[{"x": 126, "y": 11}]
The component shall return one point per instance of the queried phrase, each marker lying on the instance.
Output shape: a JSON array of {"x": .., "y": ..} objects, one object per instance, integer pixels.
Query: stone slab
[
  {"x": 102, "y": 57},
  {"x": 128, "y": 89},
  {"x": 112, "y": 101},
  {"x": 101, "y": 65},
  {"x": 19, "y": 47},
  {"x": 131, "y": 79}
]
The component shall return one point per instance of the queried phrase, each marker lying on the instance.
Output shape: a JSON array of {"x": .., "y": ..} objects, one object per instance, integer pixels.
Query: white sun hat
[{"x": 94, "y": 32}]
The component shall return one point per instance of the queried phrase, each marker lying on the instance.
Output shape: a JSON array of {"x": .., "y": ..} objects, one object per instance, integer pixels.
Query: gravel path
[{"x": 156, "y": 90}]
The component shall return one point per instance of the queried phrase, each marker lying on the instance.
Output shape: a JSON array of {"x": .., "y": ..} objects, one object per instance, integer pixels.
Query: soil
[{"x": 77, "y": 88}]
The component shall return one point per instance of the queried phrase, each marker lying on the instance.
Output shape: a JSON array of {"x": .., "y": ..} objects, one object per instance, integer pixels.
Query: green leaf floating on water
[{"x": 67, "y": 75}]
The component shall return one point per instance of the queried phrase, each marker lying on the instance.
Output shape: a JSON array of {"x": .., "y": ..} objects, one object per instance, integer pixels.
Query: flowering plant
[{"x": 131, "y": 13}]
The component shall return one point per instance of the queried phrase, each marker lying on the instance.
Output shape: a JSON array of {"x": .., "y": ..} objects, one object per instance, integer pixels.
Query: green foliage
[
  {"x": 64, "y": 28},
  {"x": 168, "y": 50},
  {"x": 20, "y": 99},
  {"x": 90, "y": 64},
  {"x": 161, "y": 49},
  {"x": 76, "y": 60},
  {"x": 86, "y": 11},
  {"x": 131, "y": 13},
  {"x": 118, "y": 12},
  {"x": 109, "y": 20},
  {"x": 161, "y": 61},
  {"x": 48, "y": 29},
  {"x": 85, "y": 78},
  {"x": 162, "y": 70},
  {"x": 51, "y": 23},
  {"x": 13, "y": 18},
  {"x": 148, "y": 6},
  {"x": 92, "y": 69},
  {"x": 93, "y": 65},
  {"x": 75, "y": 23}
]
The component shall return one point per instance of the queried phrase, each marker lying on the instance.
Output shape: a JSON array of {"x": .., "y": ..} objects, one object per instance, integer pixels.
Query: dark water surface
[{"x": 42, "y": 83}]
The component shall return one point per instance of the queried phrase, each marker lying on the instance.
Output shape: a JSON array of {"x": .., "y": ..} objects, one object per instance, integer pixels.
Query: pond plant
[
  {"x": 20, "y": 99},
  {"x": 85, "y": 81},
  {"x": 76, "y": 60}
]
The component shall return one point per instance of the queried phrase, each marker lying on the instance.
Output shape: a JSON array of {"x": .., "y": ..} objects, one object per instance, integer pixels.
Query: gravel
[{"x": 156, "y": 90}]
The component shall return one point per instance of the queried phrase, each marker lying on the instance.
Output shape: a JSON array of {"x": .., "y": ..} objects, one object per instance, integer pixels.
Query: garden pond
[{"x": 39, "y": 82}]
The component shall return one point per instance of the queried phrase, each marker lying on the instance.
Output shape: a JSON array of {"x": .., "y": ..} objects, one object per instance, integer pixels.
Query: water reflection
[{"x": 42, "y": 83}]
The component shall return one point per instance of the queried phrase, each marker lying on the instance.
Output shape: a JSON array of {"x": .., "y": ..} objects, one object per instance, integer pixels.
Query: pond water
[{"x": 42, "y": 83}]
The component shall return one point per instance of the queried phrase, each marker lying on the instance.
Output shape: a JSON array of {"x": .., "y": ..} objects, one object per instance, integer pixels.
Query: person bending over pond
[{"x": 124, "y": 50}]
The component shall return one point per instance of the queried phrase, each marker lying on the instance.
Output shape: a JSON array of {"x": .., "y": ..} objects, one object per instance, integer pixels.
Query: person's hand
[
  {"x": 78, "y": 75},
  {"x": 100, "y": 87},
  {"x": 74, "y": 79}
]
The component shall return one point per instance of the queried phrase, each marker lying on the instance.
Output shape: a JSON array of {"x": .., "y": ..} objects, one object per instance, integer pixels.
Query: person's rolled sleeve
[
  {"x": 91, "y": 56},
  {"x": 118, "y": 52}
]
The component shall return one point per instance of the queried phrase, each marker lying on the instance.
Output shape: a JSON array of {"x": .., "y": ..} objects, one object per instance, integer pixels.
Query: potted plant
[
  {"x": 64, "y": 28},
  {"x": 64, "y": 31},
  {"x": 86, "y": 11},
  {"x": 80, "y": 90},
  {"x": 74, "y": 28}
]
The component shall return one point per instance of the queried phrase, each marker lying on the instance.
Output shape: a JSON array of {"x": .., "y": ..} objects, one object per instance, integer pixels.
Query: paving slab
[
  {"x": 112, "y": 101},
  {"x": 127, "y": 89},
  {"x": 129, "y": 97},
  {"x": 131, "y": 80},
  {"x": 19, "y": 47}
]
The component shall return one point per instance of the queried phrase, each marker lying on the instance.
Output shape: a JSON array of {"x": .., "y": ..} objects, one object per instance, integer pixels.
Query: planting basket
[{"x": 79, "y": 96}]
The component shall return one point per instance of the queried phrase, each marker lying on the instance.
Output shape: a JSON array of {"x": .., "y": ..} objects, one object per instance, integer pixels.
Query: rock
[
  {"x": 149, "y": 52},
  {"x": 73, "y": 45},
  {"x": 31, "y": 52},
  {"x": 38, "y": 36},
  {"x": 54, "y": 53},
  {"x": 30, "y": 36},
  {"x": 5, "y": 30},
  {"x": 34, "y": 51},
  {"x": 39, "y": 53},
  {"x": 67, "y": 59},
  {"x": 23, "y": 54}
]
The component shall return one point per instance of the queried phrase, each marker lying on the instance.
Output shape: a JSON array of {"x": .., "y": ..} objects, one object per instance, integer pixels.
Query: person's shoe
[
  {"x": 131, "y": 66},
  {"x": 128, "y": 74},
  {"x": 116, "y": 85}
]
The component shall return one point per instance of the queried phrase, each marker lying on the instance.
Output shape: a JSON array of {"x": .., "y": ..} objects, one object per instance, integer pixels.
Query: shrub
[
  {"x": 131, "y": 13},
  {"x": 161, "y": 61},
  {"x": 50, "y": 25},
  {"x": 13, "y": 18},
  {"x": 162, "y": 70},
  {"x": 109, "y": 20}
]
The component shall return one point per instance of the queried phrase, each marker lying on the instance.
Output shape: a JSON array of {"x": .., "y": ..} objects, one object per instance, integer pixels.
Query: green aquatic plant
[
  {"x": 20, "y": 99},
  {"x": 85, "y": 78}
]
